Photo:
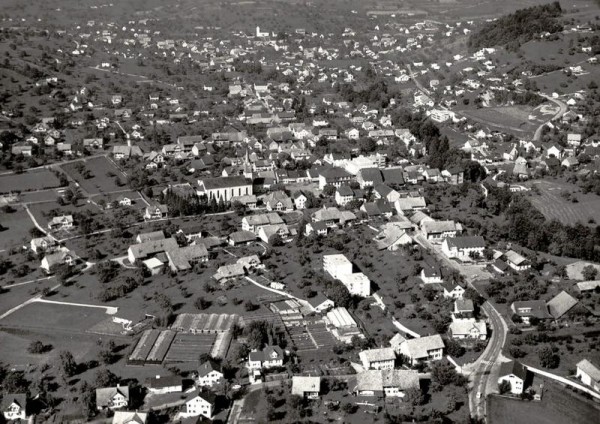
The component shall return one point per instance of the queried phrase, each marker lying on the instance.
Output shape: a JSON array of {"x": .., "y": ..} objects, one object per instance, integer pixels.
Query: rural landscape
[{"x": 281, "y": 211}]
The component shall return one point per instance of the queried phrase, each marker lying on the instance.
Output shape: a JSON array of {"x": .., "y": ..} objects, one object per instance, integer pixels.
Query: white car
[{"x": 478, "y": 395}]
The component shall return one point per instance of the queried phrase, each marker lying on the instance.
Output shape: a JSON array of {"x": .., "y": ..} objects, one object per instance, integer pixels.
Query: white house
[
  {"x": 516, "y": 261},
  {"x": 112, "y": 397},
  {"x": 439, "y": 230},
  {"x": 209, "y": 374},
  {"x": 164, "y": 384},
  {"x": 431, "y": 275},
  {"x": 386, "y": 383},
  {"x": 129, "y": 417},
  {"x": 463, "y": 248},
  {"x": 516, "y": 374},
  {"x": 429, "y": 348},
  {"x": 453, "y": 290},
  {"x": 269, "y": 357},
  {"x": 589, "y": 374},
  {"x": 14, "y": 406},
  {"x": 378, "y": 359},
  {"x": 468, "y": 329},
  {"x": 340, "y": 268},
  {"x": 199, "y": 403},
  {"x": 306, "y": 387}
]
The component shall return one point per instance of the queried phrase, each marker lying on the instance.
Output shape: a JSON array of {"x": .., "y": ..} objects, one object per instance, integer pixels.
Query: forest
[{"x": 517, "y": 28}]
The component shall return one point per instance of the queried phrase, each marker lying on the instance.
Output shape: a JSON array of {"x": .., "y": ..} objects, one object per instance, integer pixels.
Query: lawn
[
  {"x": 31, "y": 180},
  {"x": 102, "y": 175},
  {"x": 509, "y": 118},
  {"x": 553, "y": 205},
  {"x": 558, "y": 406}
]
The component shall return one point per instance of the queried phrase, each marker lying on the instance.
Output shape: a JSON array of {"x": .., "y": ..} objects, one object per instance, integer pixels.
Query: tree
[
  {"x": 67, "y": 363},
  {"x": 201, "y": 303},
  {"x": 367, "y": 145},
  {"x": 414, "y": 396},
  {"x": 275, "y": 240},
  {"x": 454, "y": 348},
  {"x": 504, "y": 387},
  {"x": 443, "y": 374},
  {"x": 329, "y": 190},
  {"x": 589, "y": 272},
  {"x": 105, "y": 378},
  {"x": 37, "y": 347},
  {"x": 350, "y": 408},
  {"x": 547, "y": 357},
  {"x": 15, "y": 382}
]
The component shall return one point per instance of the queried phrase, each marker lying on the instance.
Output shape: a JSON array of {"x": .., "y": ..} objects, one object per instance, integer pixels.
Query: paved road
[{"x": 484, "y": 372}]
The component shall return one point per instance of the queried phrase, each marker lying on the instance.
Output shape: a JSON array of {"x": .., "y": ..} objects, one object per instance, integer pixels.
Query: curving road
[{"x": 563, "y": 109}]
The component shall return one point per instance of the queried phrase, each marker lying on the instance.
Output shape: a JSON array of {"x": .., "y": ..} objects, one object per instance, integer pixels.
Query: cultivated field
[
  {"x": 17, "y": 226},
  {"x": 554, "y": 206},
  {"x": 31, "y": 180},
  {"x": 558, "y": 406},
  {"x": 102, "y": 178}
]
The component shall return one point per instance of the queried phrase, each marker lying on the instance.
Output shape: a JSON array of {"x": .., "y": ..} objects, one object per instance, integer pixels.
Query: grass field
[
  {"x": 558, "y": 406},
  {"x": 103, "y": 174},
  {"x": 17, "y": 226},
  {"x": 513, "y": 119},
  {"x": 32, "y": 180},
  {"x": 554, "y": 206}
]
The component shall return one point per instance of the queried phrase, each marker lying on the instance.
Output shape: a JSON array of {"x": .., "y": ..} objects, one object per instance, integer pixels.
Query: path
[
  {"x": 27, "y": 302},
  {"x": 110, "y": 310},
  {"x": 238, "y": 405},
  {"x": 8, "y": 286}
]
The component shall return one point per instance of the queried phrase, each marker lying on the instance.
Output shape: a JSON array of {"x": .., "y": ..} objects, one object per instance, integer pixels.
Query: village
[{"x": 389, "y": 222}]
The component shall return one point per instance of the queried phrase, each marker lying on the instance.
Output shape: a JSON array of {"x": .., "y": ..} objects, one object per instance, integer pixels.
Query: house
[
  {"x": 265, "y": 232},
  {"x": 454, "y": 176},
  {"x": 112, "y": 397},
  {"x": 164, "y": 384},
  {"x": 439, "y": 230},
  {"x": 24, "y": 150},
  {"x": 300, "y": 200},
  {"x": 369, "y": 177},
  {"x": 468, "y": 328},
  {"x": 335, "y": 177},
  {"x": 392, "y": 236},
  {"x": 516, "y": 261},
  {"x": 429, "y": 348},
  {"x": 378, "y": 359},
  {"x": 278, "y": 201},
  {"x": 157, "y": 211},
  {"x": 528, "y": 310},
  {"x": 209, "y": 374},
  {"x": 61, "y": 257},
  {"x": 453, "y": 290},
  {"x": 516, "y": 374},
  {"x": 14, "y": 406},
  {"x": 224, "y": 188},
  {"x": 198, "y": 403},
  {"x": 408, "y": 205},
  {"x": 63, "y": 222},
  {"x": 150, "y": 248},
  {"x": 589, "y": 374},
  {"x": 386, "y": 383},
  {"x": 306, "y": 387},
  {"x": 431, "y": 274},
  {"x": 464, "y": 248},
  {"x": 554, "y": 151},
  {"x": 269, "y": 357},
  {"x": 126, "y": 417},
  {"x": 463, "y": 308},
  {"x": 229, "y": 272},
  {"x": 254, "y": 223},
  {"x": 43, "y": 244},
  {"x": 343, "y": 195},
  {"x": 241, "y": 237},
  {"x": 570, "y": 162},
  {"x": 319, "y": 228},
  {"x": 96, "y": 143},
  {"x": 320, "y": 303}
]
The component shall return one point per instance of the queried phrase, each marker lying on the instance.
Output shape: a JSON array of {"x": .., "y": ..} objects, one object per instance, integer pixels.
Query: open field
[
  {"x": 102, "y": 175},
  {"x": 554, "y": 206},
  {"x": 17, "y": 226},
  {"x": 31, "y": 180},
  {"x": 558, "y": 406},
  {"x": 508, "y": 118},
  {"x": 53, "y": 316}
]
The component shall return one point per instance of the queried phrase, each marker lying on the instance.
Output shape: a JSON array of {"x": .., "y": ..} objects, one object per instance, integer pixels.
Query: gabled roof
[
  {"x": 18, "y": 398},
  {"x": 419, "y": 348},
  {"x": 561, "y": 304},
  {"x": 209, "y": 397},
  {"x": 105, "y": 395},
  {"x": 590, "y": 369},
  {"x": 515, "y": 368},
  {"x": 376, "y": 355},
  {"x": 467, "y": 242},
  {"x": 302, "y": 385},
  {"x": 208, "y": 367},
  {"x": 127, "y": 417}
]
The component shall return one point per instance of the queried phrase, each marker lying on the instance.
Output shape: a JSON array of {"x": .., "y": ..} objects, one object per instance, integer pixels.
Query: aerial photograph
[{"x": 300, "y": 211}]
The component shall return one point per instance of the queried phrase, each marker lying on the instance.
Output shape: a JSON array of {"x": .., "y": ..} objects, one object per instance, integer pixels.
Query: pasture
[
  {"x": 27, "y": 181},
  {"x": 553, "y": 205},
  {"x": 558, "y": 406},
  {"x": 102, "y": 176}
]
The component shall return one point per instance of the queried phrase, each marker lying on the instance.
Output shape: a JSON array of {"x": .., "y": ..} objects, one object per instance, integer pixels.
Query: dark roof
[
  {"x": 210, "y": 397},
  {"x": 371, "y": 174},
  {"x": 208, "y": 367},
  {"x": 164, "y": 381},
  {"x": 513, "y": 367},
  {"x": 224, "y": 182},
  {"x": 19, "y": 398},
  {"x": 466, "y": 242}
]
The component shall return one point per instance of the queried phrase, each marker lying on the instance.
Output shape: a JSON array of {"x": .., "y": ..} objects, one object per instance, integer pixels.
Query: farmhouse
[
  {"x": 63, "y": 222},
  {"x": 527, "y": 310},
  {"x": 224, "y": 188},
  {"x": 378, "y": 359},
  {"x": 14, "y": 406},
  {"x": 43, "y": 244},
  {"x": 112, "y": 397},
  {"x": 439, "y": 230},
  {"x": 306, "y": 387},
  {"x": 589, "y": 374},
  {"x": 563, "y": 306},
  {"x": 516, "y": 261},
  {"x": 516, "y": 374},
  {"x": 468, "y": 329},
  {"x": 62, "y": 257},
  {"x": 429, "y": 348},
  {"x": 464, "y": 248},
  {"x": 254, "y": 223},
  {"x": 164, "y": 384},
  {"x": 386, "y": 383}
]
